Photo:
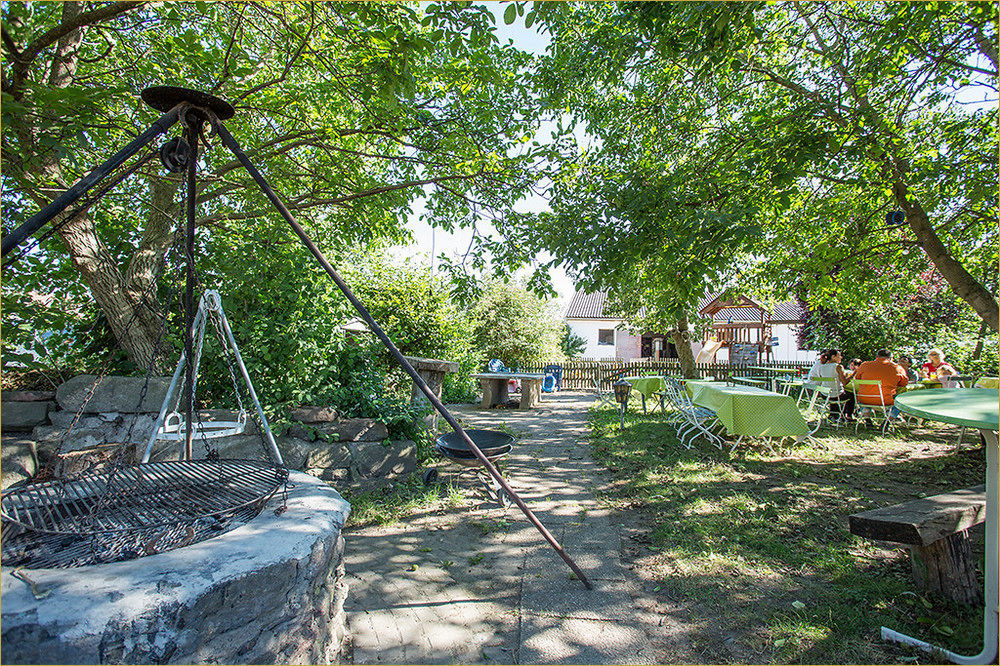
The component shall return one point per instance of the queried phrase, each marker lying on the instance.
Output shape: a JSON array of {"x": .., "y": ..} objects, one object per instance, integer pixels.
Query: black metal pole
[
  {"x": 193, "y": 129},
  {"x": 230, "y": 142},
  {"x": 63, "y": 201}
]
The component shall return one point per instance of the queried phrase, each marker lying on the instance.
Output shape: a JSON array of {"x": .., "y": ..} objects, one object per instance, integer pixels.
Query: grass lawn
[{"x": 755, "y": 550}]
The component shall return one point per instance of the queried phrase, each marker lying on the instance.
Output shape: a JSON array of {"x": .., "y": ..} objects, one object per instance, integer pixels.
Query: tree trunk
[
  {"x": 682, "y": 342},
  {"x": 97, "y": 267},
  {"x": 962, "y": 283},
  {"x": 128, "y": 301},
  {"x": 978, "y": 351}
]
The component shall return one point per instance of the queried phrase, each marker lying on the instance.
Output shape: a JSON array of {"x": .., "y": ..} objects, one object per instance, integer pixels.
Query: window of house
[{"x": 606, "y": 336}]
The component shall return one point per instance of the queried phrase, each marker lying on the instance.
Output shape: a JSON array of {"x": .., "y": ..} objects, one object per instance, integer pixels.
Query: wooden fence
[{"x": 588, "y": 374}]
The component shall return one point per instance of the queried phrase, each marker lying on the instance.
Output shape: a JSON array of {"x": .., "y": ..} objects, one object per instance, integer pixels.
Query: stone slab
[
  {"x": 313, "y": 414},
  {"x": 23, "y": 416},
  {"x": 27, "y": 396},
  {"x": 112, "y": 394},
  {"x": 432, "y": 364}
]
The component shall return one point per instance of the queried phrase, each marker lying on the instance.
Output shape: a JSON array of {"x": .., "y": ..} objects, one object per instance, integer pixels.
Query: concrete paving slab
[
  {"x": 548, "y": 640},
  {"x": 478, "y": 584}
]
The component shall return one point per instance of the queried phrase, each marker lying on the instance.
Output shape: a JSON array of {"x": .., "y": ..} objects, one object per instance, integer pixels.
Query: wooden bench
[{"x": 936, "y": 531}]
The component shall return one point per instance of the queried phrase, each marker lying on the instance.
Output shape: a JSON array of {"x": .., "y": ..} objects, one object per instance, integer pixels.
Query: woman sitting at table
[
  {"x": 828, "y": 366},
  {"x": 936, "y": 367}
]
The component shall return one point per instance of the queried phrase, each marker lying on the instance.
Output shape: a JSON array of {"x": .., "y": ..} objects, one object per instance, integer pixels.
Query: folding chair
[
  {"x": 603, "y": 397},
  {"x": 693, "y": 418},
  {"x": 872, "y": 389}
]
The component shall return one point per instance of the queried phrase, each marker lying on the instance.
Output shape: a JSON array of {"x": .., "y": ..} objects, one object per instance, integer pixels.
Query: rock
[
  {"x": 28, "y": 396},
  {"x": 373, "y": 462},
  {"x": 23, "y": 416},
  {"x": 342, "y": 430},
  {"x": 95, "y": 430},
  {"x": 337, "y": 477},
  {"x": 112, "y": 394},
  {"x": 17, "y": 460},
  {"x": 358, "y": 430},
  {"x": 325, "y": 455},
  {"x": 268, "y": 592},
  {"x": 306, "y": 414}
]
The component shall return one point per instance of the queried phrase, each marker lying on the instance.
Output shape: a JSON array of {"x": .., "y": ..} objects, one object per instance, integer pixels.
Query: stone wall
[
  {"x": 351, "y": 453},
  {"x": 271, "y": 591}
]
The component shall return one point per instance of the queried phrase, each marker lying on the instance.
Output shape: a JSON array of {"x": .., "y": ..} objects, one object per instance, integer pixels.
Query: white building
[{"x": 740, "y": 327}]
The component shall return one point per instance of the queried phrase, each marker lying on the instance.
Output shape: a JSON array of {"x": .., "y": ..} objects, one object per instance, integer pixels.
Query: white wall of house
[
  {"x": 589, "y": 330},
  {"x": 630, "y": 346},
  {"x": 788, "y": 345}
]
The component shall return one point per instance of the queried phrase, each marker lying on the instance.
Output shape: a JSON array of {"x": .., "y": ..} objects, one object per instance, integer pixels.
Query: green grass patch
[
  {"x": 393, "y": 504},
  {"x": 758, "y": 546}
]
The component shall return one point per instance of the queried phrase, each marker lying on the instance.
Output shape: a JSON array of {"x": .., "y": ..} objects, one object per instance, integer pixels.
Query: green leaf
[{"x": 510, "y": 14}]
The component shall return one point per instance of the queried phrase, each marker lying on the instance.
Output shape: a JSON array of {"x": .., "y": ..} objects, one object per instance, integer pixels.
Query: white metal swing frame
[{"x": 170, "y": 424}]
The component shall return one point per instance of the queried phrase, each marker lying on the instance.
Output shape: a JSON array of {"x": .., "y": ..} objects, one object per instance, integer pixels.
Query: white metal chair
[
  {"x": 694, "y": 421},
  {"x": 604, "y": 398}
]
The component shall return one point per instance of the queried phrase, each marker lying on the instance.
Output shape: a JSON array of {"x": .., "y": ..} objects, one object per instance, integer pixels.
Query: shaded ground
[
  {"x": 696, "y": 557},
  {"x": 471, "y": 582},
  {"x": 758, "y": 545}
]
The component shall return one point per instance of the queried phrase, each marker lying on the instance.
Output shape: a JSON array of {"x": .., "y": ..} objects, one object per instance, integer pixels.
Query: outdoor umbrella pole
[
  {"x": 230, "y": 142},
  {"x": 60, "y": 203}
]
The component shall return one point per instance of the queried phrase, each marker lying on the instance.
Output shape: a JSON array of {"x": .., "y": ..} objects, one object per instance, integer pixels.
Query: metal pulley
[{"x": 175, "y": 154}]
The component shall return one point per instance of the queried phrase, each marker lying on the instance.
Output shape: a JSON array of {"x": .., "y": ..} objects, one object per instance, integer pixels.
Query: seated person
[
  {"x": 906, "y": 363},
  {"x": 890, "y": 376},
  {"x": 854, "y": 364},
  {"x": 828, "y": 366},
  {"x": 936, "y": 367}
]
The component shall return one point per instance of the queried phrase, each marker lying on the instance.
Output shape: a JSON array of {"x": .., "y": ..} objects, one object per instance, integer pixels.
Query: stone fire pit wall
[
  {"x": 351, "y": 453},
  {"x": 271, "y": 591}
]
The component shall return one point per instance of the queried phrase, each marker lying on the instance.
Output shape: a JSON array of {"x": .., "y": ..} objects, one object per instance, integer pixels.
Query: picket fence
[{"x": 578, "y": 374}]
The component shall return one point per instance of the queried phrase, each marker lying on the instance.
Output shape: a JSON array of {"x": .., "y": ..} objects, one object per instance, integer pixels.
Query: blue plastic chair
[{"x": 556, "y": 372}]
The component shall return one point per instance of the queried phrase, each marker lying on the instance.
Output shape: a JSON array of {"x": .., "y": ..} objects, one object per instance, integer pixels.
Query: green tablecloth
[
  {"x": 647, "y": 386},
  {"x": 780, "y": 371},
  {"x": 972, "y": 408},
  {"x": 750, "y": 411}
]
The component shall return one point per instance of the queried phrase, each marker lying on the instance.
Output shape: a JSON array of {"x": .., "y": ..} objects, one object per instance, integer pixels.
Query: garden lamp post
[{"x": 622, "y": 390}]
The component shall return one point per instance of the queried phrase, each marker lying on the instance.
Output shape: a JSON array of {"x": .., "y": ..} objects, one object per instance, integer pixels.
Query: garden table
[
  {"x": 750, "y": 411},
  {"x": 494, "y": 385},
  {"x": 647, "y": 386},
  {"x": 970, "y": 408}
]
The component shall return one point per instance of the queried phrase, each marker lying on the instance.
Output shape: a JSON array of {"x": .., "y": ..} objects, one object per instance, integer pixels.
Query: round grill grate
[{"x": 132, "y": 511}]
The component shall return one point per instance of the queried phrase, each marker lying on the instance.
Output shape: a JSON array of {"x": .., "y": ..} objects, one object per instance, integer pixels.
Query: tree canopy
[
  {"x": 763, "y": 144},
  {"x": 352, "y": 110}
]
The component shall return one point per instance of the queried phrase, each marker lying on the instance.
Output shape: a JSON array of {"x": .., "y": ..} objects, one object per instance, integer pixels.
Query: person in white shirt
[{"x": 828, "y": 366}]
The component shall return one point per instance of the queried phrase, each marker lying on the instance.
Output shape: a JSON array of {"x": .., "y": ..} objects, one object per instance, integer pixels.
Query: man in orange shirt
[{"x": 888, "y": 373}]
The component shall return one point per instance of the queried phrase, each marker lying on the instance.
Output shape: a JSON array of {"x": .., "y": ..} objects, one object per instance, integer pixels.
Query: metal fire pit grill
[
  {"x": 494, "y": 445},
  {"x": 133, "y": 511}
]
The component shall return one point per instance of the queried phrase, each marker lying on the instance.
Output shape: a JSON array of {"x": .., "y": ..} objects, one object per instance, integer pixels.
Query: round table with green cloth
[
  {"x": 971, "y": 408},
  {"x": 750, "y": 411}
]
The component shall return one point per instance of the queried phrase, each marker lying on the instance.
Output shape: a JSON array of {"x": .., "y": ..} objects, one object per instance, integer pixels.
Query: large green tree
[
  {"x": 352, "y": 110},
  {"x": 766, "y": 142}
]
